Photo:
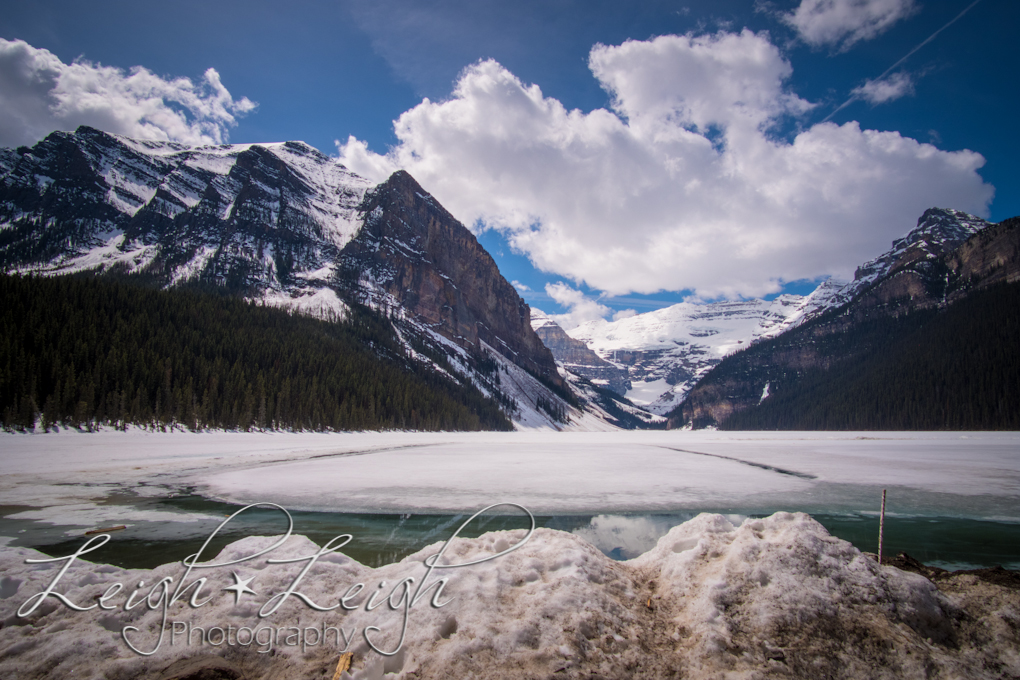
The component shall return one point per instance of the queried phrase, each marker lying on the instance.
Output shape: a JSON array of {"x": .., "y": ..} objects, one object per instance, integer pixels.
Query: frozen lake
[{"x": 954, "y": 498}]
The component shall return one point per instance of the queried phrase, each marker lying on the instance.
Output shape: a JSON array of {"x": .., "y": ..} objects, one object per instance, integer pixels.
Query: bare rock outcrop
[{"x": 414, "y": 251}]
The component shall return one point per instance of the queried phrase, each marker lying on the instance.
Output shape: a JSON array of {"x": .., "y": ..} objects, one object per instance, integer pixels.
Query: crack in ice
[{"x": 763, "y": 466}]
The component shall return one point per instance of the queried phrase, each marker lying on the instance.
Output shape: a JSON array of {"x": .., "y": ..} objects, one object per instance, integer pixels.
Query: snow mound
[
  {"x": 774, "y": 597},
  {"x": 783, "y": 586}
]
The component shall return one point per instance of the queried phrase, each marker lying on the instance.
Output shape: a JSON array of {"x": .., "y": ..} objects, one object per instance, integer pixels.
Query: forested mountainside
[
  {"x": 931, "y": 343},
  {"x": 286, "y": 226},
  {"x": 90, "y": 351},
  {"x": 952, "y": 370},
  {"x": 290, "y": 227}
]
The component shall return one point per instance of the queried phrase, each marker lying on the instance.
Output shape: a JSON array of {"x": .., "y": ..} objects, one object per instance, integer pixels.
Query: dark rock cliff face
[
  {"x": 578, "y": 358},
  {"x": 917, "y": 279},
  {"x": 411, "y": 249},
  {"x": 991, "y": 257}
]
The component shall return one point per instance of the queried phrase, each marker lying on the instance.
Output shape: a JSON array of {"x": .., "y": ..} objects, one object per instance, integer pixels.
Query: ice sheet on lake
[
  {"x": 651, "y": 472},
  {"x": 947, "y": 474},
  {"x": 461, "y": 477},
  {"x": 92, "y": 514}
]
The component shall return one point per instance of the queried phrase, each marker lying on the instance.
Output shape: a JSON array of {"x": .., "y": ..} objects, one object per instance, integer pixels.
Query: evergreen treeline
[
  {"x": 85, "y": 351},
  {"x": 958, "y": 369},
  {"x": 553, "y": 408}
]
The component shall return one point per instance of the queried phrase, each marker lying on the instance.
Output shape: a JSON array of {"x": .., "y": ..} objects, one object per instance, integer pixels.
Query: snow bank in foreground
[{"x": 774, "y": 597}]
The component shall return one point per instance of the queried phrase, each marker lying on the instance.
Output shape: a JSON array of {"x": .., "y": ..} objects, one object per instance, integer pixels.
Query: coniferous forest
[
  {"x": 957, "y": 369},
  {"x": 87, "y": 351}
]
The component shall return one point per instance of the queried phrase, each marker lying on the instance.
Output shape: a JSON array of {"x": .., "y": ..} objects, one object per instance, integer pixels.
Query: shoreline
[{"x": 634, "y": 486}]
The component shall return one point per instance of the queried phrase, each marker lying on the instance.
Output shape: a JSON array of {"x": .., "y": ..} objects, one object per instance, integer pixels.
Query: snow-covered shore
[{"x": 772, "y": 598}]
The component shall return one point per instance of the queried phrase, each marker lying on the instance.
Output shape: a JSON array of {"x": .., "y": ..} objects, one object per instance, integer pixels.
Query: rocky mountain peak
[
  {"x": 576, "y": 357},
  {"x": 938, "y": 231},
  {"x": 945, "y": 225},
  {"x": 412, "y": 251},
  {"x": 284, "y": 224}
]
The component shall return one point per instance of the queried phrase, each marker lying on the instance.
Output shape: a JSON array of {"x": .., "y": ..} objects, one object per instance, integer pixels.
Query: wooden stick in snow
[{"x": 881, "y": 527}]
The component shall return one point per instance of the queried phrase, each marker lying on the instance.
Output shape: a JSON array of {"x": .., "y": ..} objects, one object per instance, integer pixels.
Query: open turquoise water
[{"x": 947, "y": 542}]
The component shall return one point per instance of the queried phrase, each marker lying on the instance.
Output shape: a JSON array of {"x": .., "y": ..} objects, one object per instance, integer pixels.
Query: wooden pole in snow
[{"x": 881, "y": 527}]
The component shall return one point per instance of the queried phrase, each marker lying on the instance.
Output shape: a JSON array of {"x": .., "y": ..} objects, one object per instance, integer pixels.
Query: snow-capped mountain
[
  {"x": 286, "y": 225},
  {"x": 575, "y": 356},
  {"x": 938, "y": 231},
  {"x": 599, "y": 383},
  {"x": 263, "y": 220},
  {"x": 656, "y": 358}
]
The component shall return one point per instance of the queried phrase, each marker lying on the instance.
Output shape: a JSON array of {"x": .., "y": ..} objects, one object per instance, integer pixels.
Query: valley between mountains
[{"x": 284, "y": 226}]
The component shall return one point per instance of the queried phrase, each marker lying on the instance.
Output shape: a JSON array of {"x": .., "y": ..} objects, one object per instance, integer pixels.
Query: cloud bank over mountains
[
  {"x": 704, "y": 173},
  {"x": 39, "y": 94},
  {"x": 691, "y": 180}
]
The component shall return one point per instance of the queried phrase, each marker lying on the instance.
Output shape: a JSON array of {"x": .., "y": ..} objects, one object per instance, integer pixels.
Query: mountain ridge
[
  {"x": 270, "y": 223},
  {"x": 656, "y": 358},
  {"x": 914, "y": 292},
  {"x": 285, "y": 225}
]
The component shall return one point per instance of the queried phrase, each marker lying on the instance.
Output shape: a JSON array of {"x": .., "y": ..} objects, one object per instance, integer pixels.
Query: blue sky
[{"x": 611, "y": 156}]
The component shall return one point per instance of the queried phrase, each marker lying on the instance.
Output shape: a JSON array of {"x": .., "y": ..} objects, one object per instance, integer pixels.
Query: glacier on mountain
[{"x": 665, "y": 352}]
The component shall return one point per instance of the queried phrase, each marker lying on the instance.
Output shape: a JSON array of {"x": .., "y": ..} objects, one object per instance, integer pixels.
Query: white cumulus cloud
[
  {"x": 683, "y": 184},
  {"x": 624, "y": 314},
  {"x": 845, "y": 22},
  {"x": 887, "y": 89},
  {"x": 580, "y": 308},
  {"x": 39, "y": 94}
]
